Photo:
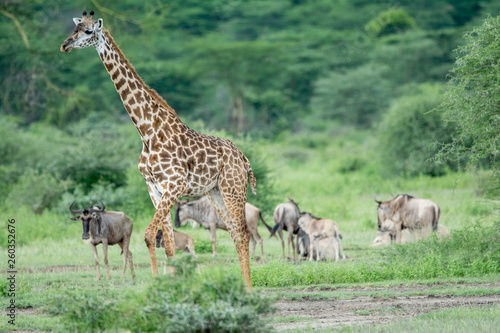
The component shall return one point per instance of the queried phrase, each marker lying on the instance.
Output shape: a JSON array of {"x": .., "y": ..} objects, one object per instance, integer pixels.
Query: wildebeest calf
[
  {"x": 108, "y": 228},
  {"x": 183, "y": 242},
  {"x": 384, "y": 238},
  {"x": 318, "y": 229}
]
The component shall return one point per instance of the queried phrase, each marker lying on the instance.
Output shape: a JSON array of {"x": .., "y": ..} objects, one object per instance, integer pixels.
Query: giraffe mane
[{"x": 153, "y": 92}]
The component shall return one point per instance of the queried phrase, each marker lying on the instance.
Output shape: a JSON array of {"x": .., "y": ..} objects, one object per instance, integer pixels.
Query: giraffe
[{"x": 175, "y": 160}]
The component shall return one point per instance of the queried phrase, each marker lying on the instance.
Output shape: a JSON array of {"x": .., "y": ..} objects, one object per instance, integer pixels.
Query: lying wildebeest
[
  {"x": 108, "y": 228},
  {"x": 183, "y": 242},
  {"x": 202, "y": 211},
  {"x": 318, "y": 229},
  {"x": 383, "y": 238},
  {"x": 406, "y": 212},
  {"x": 328, "y": 248},
  {"x": 286, "y": 216}
]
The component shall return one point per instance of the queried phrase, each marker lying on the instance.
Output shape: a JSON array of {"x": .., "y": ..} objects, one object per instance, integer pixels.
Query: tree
[
  {"x": 409, "y": 130},
  {"x": 472, "y": 99}
]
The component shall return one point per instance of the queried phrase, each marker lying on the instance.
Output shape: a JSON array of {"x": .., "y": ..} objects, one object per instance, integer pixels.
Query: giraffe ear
[
  {"x": 77, "y": 20},
  {"x": 98, "y": 25}
]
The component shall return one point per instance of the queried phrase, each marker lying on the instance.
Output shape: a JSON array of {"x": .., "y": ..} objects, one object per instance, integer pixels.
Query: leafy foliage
[
  {"x": 472, "y": 100},
  {"x": 209, "y": 301},
  {"x": 408, "y": 133}
]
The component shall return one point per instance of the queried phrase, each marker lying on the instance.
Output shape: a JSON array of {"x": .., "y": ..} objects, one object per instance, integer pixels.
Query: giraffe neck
[{"x": 145, "y": 107}]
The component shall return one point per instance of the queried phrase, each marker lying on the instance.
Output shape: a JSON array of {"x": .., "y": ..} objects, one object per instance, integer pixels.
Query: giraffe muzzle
[{"x": 66, "y": 46}]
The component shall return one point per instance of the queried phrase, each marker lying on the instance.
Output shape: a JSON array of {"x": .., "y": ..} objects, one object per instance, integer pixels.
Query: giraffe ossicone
[{"x": 175, "y": 160}]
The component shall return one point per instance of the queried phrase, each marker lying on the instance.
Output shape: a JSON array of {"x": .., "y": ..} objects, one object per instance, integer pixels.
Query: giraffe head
[{"x": 86, "y": 33}]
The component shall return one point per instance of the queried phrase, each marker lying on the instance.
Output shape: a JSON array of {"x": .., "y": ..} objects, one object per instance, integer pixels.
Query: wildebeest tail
[
  {"x": 263, "y": 221},
  {"x": 273, "y": 231},
  {"x": 437, "y": 214}
]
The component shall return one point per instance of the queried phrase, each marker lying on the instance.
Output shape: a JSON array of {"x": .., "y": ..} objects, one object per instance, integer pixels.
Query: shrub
[
  {"x": 209, "y": 301},
  {"x": 409, "y": 131}
]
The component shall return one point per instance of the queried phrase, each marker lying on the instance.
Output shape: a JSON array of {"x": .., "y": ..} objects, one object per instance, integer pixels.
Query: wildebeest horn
[
  {"x": 75, "y": 211},
  {"x": 375, "y": 198},
  {"x": 93, "y": 210}
]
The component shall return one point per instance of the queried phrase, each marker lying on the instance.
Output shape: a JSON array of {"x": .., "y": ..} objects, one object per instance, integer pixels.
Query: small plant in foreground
[{"x": 207, "y": 300}]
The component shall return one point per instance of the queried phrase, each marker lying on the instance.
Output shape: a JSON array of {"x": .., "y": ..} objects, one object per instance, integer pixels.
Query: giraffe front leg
[
  {"x": 168, "y": 238},
  {"x": 162, "y": 217}
]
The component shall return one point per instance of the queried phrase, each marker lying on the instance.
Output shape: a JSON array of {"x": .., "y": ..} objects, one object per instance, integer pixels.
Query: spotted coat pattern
[{"x": 175, "y": 160}]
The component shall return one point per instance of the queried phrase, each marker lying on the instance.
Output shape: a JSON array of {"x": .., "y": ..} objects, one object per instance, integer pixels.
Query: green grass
[
  {"x": 466, "y": 319},
  {"x": 54, "y": 261}
]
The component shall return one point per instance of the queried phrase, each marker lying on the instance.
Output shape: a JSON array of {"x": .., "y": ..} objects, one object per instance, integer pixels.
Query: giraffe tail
[{"x": 253, "y": 181}]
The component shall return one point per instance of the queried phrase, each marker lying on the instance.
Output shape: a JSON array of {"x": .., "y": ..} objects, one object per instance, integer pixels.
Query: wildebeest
[
  {"x": 318, "y": 229},
  {"x": 328, "y": 248},
  {"x": 108, "y": 228},
  {"x": 202, "y": 211},
  {"x": 406, "y": 212},
  {"x": 383, "y": 238},
  {"x": 183, "y": 241},
  {"x": 286, "y": 216}
]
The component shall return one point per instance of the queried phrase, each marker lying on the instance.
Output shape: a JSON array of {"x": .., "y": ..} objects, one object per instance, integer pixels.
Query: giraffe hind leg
[{"x": 232, "y": 211}]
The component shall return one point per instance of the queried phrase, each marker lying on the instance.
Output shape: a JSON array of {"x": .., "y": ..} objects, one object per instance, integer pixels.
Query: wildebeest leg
[
  {"x": 399, "y": 234},
  {"x": 290, "y": 240},
  {"x": 280, "y": 233},
  {"x": 339, "y": 247},
  {"x": 318, "y": 252},
  {"x": 105, "y": 250},
  {"x": 124, "y": 259},
  {"x": 296, "y": 248},
  {"x": 96, "y": 259},
  {"x": 213, "y": 233},
  {"x": 310, "y": 250},
  {"x": 130, "y": 262},
  {"x": 252, "y": 240}
]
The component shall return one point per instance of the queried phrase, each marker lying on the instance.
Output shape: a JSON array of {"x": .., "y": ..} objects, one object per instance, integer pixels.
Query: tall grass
[{"x": 470, "y": 252}]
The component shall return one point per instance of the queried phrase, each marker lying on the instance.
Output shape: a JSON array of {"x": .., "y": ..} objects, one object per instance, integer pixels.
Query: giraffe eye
[{"x": 88, "y": 32}]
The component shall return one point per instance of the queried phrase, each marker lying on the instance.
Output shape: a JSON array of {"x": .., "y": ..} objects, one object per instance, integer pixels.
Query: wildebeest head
[
  {"x": 182, "y": 211},
  {"x": 305, "y": 218},
  {"x": 389, "y": 212},
  {"x": 86, "y": 215},
  {"x": 159, "y": 237}
]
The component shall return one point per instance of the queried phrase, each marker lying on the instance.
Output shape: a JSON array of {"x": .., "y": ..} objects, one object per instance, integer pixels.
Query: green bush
[
  {"x": 36, "y": 190},
  {"x": 408, "y": 134},
  {"x": 192, "y": 301}
]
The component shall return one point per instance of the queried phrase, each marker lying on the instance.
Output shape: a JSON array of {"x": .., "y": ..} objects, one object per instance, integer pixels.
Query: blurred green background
[{"x": 332, "y": 101}]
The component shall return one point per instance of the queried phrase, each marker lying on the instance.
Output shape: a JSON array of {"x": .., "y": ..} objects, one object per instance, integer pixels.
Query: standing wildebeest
[
  {"x": 108, "y": 228},
  {"x": 407, "y": 212},
  {"x": 318, "y": 229},
  {"x": 286, "y": 216},
  {"x": 183, "y": 242},
  {"x": 202, "y": 211}
]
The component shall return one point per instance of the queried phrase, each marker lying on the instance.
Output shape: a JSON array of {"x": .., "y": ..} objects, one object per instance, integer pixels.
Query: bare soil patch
[{"x": 333, "y": 313}]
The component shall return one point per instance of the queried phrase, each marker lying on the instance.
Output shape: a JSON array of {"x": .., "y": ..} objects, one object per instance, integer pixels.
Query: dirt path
[{"x": 369, "y": 310}]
